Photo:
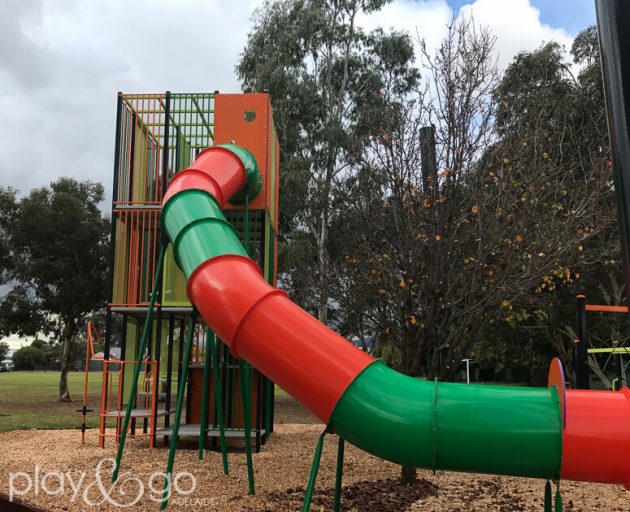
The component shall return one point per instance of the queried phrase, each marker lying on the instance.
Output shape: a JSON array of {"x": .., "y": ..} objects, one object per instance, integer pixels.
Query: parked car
[{"x": 6, "y": 365}]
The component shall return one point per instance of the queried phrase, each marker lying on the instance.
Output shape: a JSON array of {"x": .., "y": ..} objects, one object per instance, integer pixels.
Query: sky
[{"x": 63, "y": 61}]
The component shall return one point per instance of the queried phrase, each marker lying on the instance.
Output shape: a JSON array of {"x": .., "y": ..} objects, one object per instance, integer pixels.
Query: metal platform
[{"x": 192, "y": 429}]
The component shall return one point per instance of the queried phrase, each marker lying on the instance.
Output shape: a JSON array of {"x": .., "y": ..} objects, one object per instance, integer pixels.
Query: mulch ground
[{"x": 281, "y": 472}]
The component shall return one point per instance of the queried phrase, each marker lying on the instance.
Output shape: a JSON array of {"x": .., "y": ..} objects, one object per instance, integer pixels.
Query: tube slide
[{"x": 459, "y": 427}]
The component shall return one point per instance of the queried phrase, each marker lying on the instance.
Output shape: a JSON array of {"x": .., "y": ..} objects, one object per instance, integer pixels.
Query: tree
[
  {"x": 27, "y": 358},
  {"x": 417, "y": 228},
  {"x": 554, "y": 126},
  {"x": 324, "y": 73},
  {"x": 8, "y": 207},
  {"x": 4, "y": 350},
  {"x": 499, "y": 223},
  {"x": 59, "y": 246}
]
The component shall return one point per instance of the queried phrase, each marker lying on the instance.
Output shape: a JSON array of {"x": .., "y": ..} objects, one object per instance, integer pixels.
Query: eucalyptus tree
[{"x": 325, "y": 75}]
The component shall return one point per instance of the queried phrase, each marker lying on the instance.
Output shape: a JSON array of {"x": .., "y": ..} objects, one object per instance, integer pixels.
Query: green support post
[
  {"x": 243, "y": 373},
  {"x": 218, "y": 400},
  {"x": 547, "y": 503},
  {"x": 246, "y": 235},
  {"x": 203, "y": 427},
  {"x": 557, "y": 507},
  {"x": 308, "y": 495},
  {"x": 339, "y": 475},
  {"x": 181, "y": 390},
  {"x": 136, "y": 372}
]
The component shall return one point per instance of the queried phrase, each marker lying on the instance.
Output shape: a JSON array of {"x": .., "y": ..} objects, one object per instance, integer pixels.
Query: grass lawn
[{"x": 31, "y": 400}]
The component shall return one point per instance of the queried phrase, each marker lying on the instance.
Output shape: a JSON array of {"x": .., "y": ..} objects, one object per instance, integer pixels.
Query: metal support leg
[
  {"x": 181, "y": 390},
  {"x": 203, "y": 428},
  {"x": 338, "y": 476},
  {"x": 243, "y": 371},
  {"x": 218, "y": 399},
  {"x": 308, "y": 495}
]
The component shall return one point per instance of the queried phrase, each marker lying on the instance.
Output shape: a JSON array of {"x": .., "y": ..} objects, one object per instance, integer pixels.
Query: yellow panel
[
  {"x": 174, "y": 284},
  {"x": 139, "y": 164}
]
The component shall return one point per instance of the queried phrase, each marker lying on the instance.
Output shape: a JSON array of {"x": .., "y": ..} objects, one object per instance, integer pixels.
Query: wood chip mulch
[
  {"x": 388, "y": 495},
  {"x": 281, "y": 470}
]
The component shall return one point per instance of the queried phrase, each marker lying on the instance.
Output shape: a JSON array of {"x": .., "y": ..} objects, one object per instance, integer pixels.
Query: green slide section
[
  {"x": 193, "y": 217},
  {"x": 254, "y": 179},
  {"x": 458, "y": 427}
]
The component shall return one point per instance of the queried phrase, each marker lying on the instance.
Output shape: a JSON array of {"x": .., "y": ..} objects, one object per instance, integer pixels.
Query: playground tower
[{"x": 158, "y": 135}]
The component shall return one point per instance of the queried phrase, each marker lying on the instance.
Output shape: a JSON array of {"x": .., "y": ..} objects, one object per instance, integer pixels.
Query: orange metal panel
[{"x": 231, "y": 125}]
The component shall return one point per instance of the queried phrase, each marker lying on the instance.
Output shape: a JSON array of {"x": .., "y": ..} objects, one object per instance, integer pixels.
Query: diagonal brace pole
[
  {"x": 310, "y": 488},
  {"x": 136, "y": 372},
  {"x": 247, "y": 421}
]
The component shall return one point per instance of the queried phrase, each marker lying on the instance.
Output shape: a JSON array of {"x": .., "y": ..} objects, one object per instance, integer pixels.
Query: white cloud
[
  {"x": 427, "y": 19},
  {"x": 15, "y": 342},
  {"x": 62, "y": 62},
  {"x": 515, "y": 23}
]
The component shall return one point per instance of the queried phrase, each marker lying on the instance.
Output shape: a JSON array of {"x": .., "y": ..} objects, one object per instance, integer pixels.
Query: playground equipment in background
[
  {"x": 90, "y": 355},
  {"x": 549, "y": 433},
  {"x": 581, "y": 348}
]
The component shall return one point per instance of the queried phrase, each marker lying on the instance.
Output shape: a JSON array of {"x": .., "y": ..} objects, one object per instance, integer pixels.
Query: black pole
[
  {"x": 165, "y": 145},
  {"x": 160, "y": 236},
  {"x": 580, "y": 354},
  {"x": 132, "y": 156},
  {"x": 428, "y": 164},
  {"x": 613, "y": 22},
  {"x": 618, "y": 371},
  {"x": 112, "y": 235}
]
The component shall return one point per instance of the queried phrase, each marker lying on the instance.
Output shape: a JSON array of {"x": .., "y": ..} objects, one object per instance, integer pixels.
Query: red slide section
[
  {"x": 596, "y": 440},
  {"x": 307, "y": 359},
  {"x": 228, "y": 175}
]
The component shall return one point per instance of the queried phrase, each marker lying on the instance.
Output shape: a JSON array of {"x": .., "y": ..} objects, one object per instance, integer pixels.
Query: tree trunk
[
  {"x": 408, "y": 474},
  {"x": 322, "y": 256},
  {"x": 64, "y": 393}
]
